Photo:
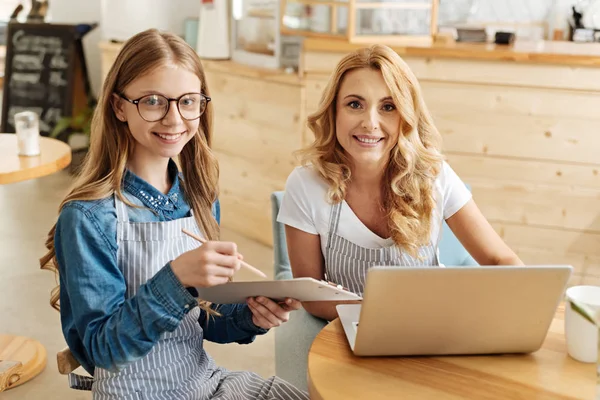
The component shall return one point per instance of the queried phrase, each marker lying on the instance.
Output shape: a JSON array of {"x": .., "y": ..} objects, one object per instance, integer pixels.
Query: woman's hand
[
  {"x": 268, "y": 314},
  {"x": 211, "y": 264}
]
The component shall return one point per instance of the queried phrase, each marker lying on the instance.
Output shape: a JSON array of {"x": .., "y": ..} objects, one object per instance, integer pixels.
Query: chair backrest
[
  {"x": 281, "y": 259},
  {"x": 452, "y": 252},
  {"x": 66, "y": 362}
]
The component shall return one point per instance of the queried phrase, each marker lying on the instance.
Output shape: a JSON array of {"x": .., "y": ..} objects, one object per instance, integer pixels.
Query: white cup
[
  {"x": 581, "y": 334},
  {"x": 27, "y": 127}
]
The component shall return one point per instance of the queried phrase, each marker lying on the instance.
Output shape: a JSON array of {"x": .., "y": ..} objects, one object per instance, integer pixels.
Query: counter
[{"x": 542, "y": 52}]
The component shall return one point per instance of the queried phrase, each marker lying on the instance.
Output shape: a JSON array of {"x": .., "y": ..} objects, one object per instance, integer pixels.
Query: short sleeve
[
  {"x": 455, "y": 192},
  {"x": 296, "y": 208}
]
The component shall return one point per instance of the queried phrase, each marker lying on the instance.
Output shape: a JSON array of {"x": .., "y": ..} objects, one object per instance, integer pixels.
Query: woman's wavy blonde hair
[
  {"x": 415, "y": 160},
  {"x": 111, "y": 143}
]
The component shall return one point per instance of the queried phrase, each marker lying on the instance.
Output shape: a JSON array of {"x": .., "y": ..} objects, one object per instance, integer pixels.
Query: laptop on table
[{"x": 454, "y": 310}]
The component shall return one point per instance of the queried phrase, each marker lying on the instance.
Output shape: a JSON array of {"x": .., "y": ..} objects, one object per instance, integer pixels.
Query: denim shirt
[{"x": 101, "y": 326}]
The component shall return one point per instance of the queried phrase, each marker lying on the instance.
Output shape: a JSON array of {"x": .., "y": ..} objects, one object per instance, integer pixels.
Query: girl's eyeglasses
[{"x": 154, "y": 107}]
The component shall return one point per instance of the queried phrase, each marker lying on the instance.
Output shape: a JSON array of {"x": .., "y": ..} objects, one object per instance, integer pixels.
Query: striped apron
[
  {"x": 177, "y": 367},
  {"x": 347, "y": 263}
]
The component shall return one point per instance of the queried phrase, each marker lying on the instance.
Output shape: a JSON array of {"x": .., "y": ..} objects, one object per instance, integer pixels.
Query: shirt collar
[{"x": 152, "y": 197}]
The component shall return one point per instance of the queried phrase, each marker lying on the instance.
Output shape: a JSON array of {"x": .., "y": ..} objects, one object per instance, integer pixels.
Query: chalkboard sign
[{"x": 45, "y": 72}]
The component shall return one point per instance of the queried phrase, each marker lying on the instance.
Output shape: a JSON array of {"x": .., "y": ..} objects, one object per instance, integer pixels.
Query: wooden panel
[
  {"x": 507, "y": 100},
  {"x": 314, "y": 90},
  {"x": 537, "y": 245},
  {"x": 315, "y": 85},
  {"x": 547, "y": 138},
  {"x": 250, "y": 220},
  {"x": 246, "y": 197},
  {"x": 233, "y": 68},
  {"x": 544, "y": 206},
  {"x": 108, "y": 54},
  {"x": 251, "y": 116},
  {"x": 484, "y": 72},
  {"x": 319, "y": 62},
  {"x": 258, "y": 126},
  {"x": 559, "y": 240},
  {"x": 267, "y": 155},
  {"x": 586, "y": 269},
  {"x": 528, "y": 172},
  {"x": 271, "y": 104}
]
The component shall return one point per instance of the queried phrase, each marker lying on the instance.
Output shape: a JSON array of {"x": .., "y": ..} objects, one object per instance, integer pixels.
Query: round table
[
  {"x": 54, "y": 156},
  {"x": 335, "y": 373}
]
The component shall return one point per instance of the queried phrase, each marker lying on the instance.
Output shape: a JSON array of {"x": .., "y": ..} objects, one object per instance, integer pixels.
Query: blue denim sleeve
[
  {"x": 216, "y": 211},
  {"x": 109, "y": 330},
  {"x": 233, "y": 325}
]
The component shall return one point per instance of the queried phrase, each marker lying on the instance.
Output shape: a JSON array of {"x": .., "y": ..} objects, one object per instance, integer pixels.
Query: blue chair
[{"x": 294, "y": 338}]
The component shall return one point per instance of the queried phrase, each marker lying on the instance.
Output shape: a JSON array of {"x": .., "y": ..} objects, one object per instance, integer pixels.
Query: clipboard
[{"x": 302, "y": 289}]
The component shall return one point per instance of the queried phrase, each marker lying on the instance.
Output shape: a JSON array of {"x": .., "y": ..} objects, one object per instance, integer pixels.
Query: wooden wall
[
  {"x": 258, "y": 126},
  {"x": 526, "y": 137}
]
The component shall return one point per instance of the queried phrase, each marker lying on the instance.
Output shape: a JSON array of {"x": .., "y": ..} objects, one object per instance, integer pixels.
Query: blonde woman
[
  {"x": 126, "y": 269},
  {"x": 374, "y": 187}
]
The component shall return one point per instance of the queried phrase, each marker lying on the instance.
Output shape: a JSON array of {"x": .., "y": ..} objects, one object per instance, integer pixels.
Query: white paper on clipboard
[{"x": 303, "y": 289}]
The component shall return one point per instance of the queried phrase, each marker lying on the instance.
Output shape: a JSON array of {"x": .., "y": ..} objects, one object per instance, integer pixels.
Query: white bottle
[{"x": 213, "y": 30}]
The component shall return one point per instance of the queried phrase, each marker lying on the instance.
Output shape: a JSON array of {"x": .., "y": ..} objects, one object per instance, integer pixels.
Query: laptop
[{"x": 454, "y": 310}]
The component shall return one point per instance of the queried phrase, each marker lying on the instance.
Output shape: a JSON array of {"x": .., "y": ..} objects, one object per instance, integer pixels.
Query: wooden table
[
  {"x": 335, "y": 373},
  {"x": 54, "y": 156}
]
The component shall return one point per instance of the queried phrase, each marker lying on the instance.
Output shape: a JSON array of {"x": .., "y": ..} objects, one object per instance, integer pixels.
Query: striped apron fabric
[
  {"x": 347, "y": 263},
  {"x": 177, "y": 367}
]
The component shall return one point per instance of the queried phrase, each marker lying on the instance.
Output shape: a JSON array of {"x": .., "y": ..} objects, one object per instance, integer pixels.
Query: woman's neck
[
  {"x": 156, "y": 173},
  {"x": 367, "y": 178}
]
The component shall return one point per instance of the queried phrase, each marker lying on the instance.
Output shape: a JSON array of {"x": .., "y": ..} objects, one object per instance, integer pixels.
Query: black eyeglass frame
[{"x": 169, "y": 100}]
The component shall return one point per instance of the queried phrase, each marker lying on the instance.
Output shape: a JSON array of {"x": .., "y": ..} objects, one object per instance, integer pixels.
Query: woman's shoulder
[
  {"x": 445, "y": 174},
  {"x": 306, "y": 177},
  {"x": 305, "y": 188}
]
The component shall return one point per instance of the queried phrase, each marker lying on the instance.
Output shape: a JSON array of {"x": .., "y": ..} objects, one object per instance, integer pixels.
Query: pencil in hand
[{"x": 249, "y": 267}]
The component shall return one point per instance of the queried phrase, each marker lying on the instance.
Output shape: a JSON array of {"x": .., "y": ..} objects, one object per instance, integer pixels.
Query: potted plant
[{"x": 75, "y": 130}]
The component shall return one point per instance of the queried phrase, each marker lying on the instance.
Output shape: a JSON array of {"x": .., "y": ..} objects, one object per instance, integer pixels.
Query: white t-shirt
[{"x": 305, "y": 207}]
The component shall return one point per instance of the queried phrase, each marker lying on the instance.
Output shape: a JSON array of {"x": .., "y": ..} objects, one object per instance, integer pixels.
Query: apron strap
[
  {"x": 121, "y": 209},
  {"x": 334, "y": 221},
  {"x": 439, "y": 238}
]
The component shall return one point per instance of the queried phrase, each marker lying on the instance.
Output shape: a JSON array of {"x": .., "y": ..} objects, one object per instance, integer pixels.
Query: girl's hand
[
  {"x": 268, "y": 314},
  {"x": 211, "y": 264}
]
